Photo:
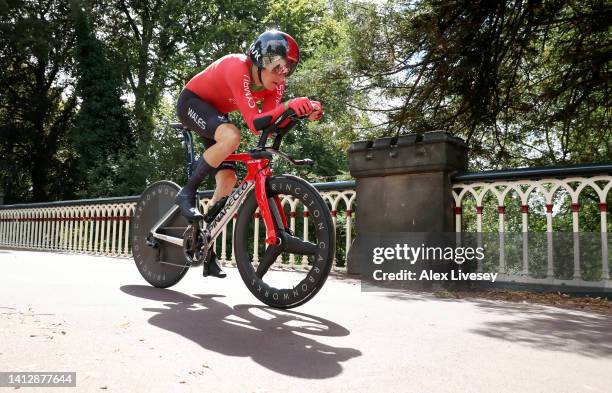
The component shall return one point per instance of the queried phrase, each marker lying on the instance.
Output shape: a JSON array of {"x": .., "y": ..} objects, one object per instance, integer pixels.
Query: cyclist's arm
[
  {"x": 271, "y": 115},
  {"x": 240, "y": 85},
  {"x": 273, "y": 101}
]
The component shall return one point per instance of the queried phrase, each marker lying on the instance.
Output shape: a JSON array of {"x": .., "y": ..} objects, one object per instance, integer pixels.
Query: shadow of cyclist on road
[{"x": 273, "y": 338}]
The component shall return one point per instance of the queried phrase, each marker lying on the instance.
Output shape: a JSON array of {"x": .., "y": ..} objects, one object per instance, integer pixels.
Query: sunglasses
[{"x": 283, "y": 69}]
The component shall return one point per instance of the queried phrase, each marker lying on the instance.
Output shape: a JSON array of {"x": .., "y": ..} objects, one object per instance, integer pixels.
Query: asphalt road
[{"x": 96, "y": 316}]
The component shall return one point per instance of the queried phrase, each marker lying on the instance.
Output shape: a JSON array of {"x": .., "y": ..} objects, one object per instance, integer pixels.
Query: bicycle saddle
[{"x": 178, "y": 126}]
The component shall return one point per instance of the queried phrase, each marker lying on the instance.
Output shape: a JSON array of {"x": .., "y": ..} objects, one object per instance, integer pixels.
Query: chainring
[{"x": 192, "y": 249}]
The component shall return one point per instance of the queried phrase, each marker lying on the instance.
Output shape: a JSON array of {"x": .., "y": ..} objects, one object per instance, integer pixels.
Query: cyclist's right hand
[
  {"x": 301, "y": 106},
  {"x": 317, "y": 112}
]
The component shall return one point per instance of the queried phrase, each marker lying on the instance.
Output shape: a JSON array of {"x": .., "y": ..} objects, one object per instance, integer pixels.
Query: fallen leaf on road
[
  {"x": 446, "y": 295},
  {"x": 124, "y": 325}
]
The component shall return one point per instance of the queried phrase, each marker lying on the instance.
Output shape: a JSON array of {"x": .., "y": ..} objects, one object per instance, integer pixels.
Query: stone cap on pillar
[{"x": 432, "y": 151}]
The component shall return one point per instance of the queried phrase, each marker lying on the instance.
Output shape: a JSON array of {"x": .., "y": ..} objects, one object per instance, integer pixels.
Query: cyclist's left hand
[{"x": 317, "y": 113}]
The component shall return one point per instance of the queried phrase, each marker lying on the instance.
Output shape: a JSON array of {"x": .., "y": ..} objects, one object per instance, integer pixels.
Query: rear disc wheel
[{"x": 160, "y": 263}]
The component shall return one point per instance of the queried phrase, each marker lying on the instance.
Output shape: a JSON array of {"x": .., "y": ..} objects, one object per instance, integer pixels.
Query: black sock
[{"x": 198, "y": 176}]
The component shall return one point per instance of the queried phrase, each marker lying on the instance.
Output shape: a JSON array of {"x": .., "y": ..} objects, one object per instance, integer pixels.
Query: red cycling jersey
[{"x": 226, "y": 85}]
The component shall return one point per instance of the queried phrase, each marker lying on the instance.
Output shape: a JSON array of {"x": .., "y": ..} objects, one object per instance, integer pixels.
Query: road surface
[{"x": 96, "y": 316}]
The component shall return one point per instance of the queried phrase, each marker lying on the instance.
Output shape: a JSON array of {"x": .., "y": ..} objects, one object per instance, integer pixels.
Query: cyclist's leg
[
  {"x": 226, "y": 180},
  {"x": 203, "y": 118},
  {"x": 227, "y": 138},
  {"x": 225, "y": 174}
]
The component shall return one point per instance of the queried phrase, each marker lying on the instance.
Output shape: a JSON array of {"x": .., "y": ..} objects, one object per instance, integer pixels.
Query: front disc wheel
[{"x": 291, "y": 273}]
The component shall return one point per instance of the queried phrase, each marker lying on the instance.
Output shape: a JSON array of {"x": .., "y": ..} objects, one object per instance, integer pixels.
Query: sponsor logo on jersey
[
  {"x": 280, "y": 90},
  {"x": 246, "y": 85}
]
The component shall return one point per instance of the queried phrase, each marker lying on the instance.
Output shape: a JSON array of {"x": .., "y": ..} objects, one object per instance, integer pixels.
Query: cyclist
[{"x": 236, "y": 82}]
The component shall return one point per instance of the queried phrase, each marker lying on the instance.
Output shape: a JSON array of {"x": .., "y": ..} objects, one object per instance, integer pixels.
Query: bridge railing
[
  {"x": 102, "y": 226},
  {"x": 550, "y": 224}
]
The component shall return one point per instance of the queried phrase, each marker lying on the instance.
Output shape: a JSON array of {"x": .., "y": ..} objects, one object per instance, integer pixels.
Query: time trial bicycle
[{"x": 165, "y": 245}]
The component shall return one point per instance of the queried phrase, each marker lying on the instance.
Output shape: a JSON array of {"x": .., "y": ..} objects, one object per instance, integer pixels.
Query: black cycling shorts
[{"x": 203, "y": 118}]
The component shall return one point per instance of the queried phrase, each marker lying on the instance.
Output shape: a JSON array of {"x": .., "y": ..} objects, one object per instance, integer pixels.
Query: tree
[
  {"x": 37, "y": 103},
  {"x": 522, "y": 81},
  {"x": 101, "y": 132},
  {"x": 324, "y": 74}
]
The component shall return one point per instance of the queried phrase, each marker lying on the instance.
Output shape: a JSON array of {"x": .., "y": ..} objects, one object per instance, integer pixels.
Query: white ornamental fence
[
  {"x": 546, "y": 226},
  {"x": 102, "y": 226},
  {"x": 542, "y": 226}
]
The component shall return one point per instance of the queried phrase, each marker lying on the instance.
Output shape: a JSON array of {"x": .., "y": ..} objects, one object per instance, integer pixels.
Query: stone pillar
[{"x": 403, "y": 184}]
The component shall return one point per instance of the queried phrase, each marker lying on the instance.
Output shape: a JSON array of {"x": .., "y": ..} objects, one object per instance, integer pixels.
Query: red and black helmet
[{"x": 275, "y": 51}]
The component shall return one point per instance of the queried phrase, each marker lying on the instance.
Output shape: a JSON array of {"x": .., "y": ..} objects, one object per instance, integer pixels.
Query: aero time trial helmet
[{"x": 275, "y": 51}]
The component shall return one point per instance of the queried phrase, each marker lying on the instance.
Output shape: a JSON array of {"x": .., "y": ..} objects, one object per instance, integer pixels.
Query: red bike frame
[{"x": 258, "y": 171}]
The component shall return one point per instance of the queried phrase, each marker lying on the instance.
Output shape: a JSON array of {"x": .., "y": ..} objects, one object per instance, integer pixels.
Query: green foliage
[
  {"x": 166, "y": 159},
  {"x": 525, "y": 83},
  {"x": 86, "y": 96},
  {"x": 101, "y": 132},
  {"x": 36, "y": 102}
]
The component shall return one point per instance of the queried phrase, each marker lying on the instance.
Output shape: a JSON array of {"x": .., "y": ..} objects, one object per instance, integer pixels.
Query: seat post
[{"x": 188, "y": 144}]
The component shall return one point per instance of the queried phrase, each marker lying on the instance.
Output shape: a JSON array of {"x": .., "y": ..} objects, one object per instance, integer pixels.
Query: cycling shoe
[
  {"x": 187, "y": 204},
  {"x": 212, "y": 267}
]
